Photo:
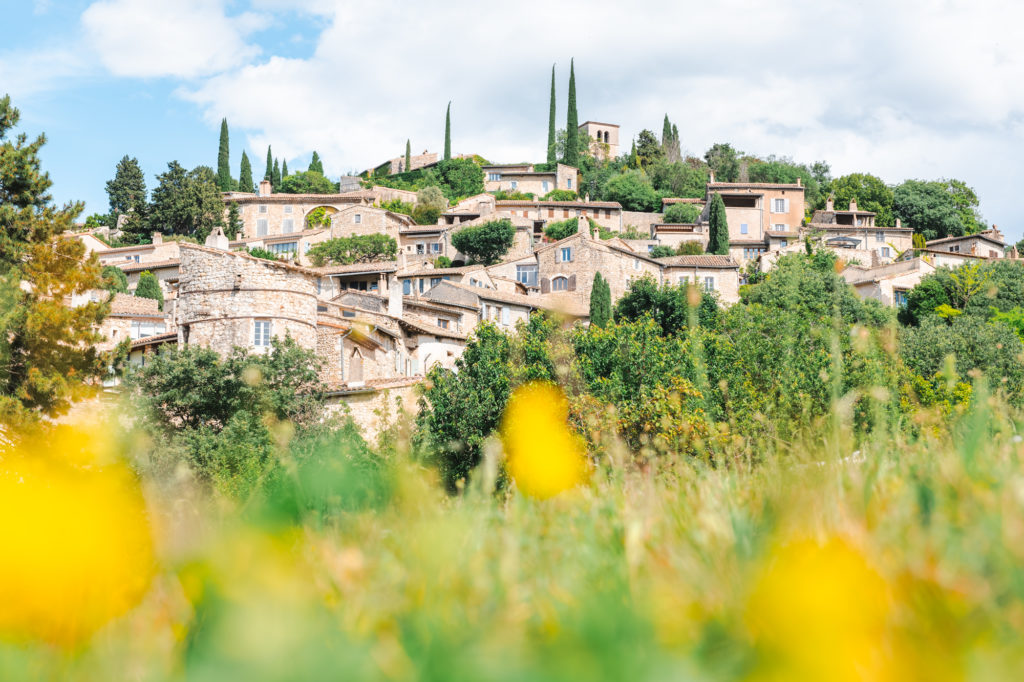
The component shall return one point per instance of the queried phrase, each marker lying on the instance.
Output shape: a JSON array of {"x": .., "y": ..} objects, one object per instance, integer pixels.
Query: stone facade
[
  {"x": 364, "y": 220},
  {"x": 715, "y": 274},
  {"x": 568, "y": 266},
  {"x": 604, "y": 139},
  {"x": 888, "y": 283},
  {"x": 987, "y": 244},
  {"x": 524, "y": 179}
]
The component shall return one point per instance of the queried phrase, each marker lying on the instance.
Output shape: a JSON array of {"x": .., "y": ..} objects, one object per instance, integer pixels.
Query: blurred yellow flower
[
  {"x": 75, "y": 542},
  {"x": 545, "y": 456},
  {"x": 820, "y": 612}
]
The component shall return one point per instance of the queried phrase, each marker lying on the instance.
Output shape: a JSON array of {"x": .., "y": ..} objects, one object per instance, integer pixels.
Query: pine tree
[
  {"x": 224, "y": 181},
  {"x": 275, "y": 175},
  {"x": 245, "y": 183},
  {"x": 634, "y": 162},
  {"x": 572, "y": 122},
  {"x": 127, "y": 191},
  {"x": 316, "y": 165},
  {"x": 718, "y": 227},
  {"x": 600, "y": 302},
  {"x": 149, "y": 287},
  {"x": 408, "y": 156},
  {"x": 552, "y": 155},
  {"x": 666, "y": 132},
  {"x": 234, "y": 222},
  {"x": 448, "y": 133},
  {"x": 269, "y": 174},
  {"x": 284, "y": 169}
]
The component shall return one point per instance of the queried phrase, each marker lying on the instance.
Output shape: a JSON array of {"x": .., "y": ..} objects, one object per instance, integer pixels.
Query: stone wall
[
  {"x": 223, "y": 293},
  {"x": 588, "y": 257},
  {"x": 641, "y": 220},
  {"x": 364, "y": 220},
  {"x": 367, "y": 408}
]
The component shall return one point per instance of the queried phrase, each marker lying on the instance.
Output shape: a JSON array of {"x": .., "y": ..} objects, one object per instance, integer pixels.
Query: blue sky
[{"x": 910, "y": 89}]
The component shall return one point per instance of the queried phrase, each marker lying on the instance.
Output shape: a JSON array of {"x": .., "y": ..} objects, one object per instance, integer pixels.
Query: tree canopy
[
  {"x": 187, "y": 202},
  {"x": 485, "y": 243},
  {"x": 355, "y": 249},
  {"x": 306, "y": 182}
]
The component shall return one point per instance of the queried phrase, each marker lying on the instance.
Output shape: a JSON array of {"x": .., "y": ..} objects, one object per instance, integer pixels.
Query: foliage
[
  {"x": 448, "y": 133},
  {"x": 355, "y": 249},
  {"x": 260, "y": 252},
  {"x": 245, "y": 183},
  {"x": 724, "y": 161},
  {"x": 572, "y": 123},
  {"x": 269, "y": 173},
  {"x": 284, "y": 170},
  {"x": 233, "y": 225},
  {"x": 1013, "y": 318},
  {"x": 430, "y": 204},
  {"x": 718, "y": 226},
  {"x": 485, "y": 243},
  {"x": 459, "y": 178},
  {"x": 929, "y": 208},
  {"x": 149, "y": 287},
  {"x": 224, "y": 181},
  {"x": 127, "y": 190},
  {"x": 670, "y": 141},
  {"x": 681, "y": 213},
  {"x": 870, "y": 193},
  {"x": 966, "y": 202},
  {"x": 275, "y": 175},
  {"x": 687, "y": 179},
  {"x": 662, "y": 251},
  {"x": 600, "y": 302},
  {"x": 785, "y": 171},
  {"x": 316, "y": 165},
  {"x": 442, "y": 262},
  {"x": 690, "y": 248},
  {"x": 318, "y": 217},
  {"x": 306, "y": 182},
  {"x": 408, "y": 154},
  {"x": 398, "y": 206},
  {"x": 633, "y": 190},
  {"x": 974, "y": 288},
  {"x": 560, "y": 230},
  {"x": 560, "y": 195},
  {"x": 114, "y": 279},
  {"x": 670, "y": 306},
  {"x": 187, "y": 202},
  {"x": 648, "y": 149},
  {"x": 503, "y": 195},
  {"x": 552, "y": 156}
]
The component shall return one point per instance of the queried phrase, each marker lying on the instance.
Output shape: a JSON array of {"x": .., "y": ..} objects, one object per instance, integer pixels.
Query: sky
[{"x": 898, "y": 88}]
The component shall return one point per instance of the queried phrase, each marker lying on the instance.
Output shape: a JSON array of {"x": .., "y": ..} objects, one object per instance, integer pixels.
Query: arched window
[
  {"x": 560, "y": 284},
  {"x": 606, "y": 138}
]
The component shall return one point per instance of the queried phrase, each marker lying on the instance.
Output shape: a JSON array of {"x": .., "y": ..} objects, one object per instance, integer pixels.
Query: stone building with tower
[{"x": 604, "y": 139}]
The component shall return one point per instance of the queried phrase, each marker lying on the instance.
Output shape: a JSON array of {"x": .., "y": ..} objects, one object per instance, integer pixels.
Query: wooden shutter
[
  {"x": 545, "y": 285},
  {"x": 572, "y": 282}
]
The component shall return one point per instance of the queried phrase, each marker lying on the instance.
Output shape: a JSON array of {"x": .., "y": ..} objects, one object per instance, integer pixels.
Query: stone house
[
  {"x": 712, "y": 273},
  {"x": 418, "y": 241},
  {"x": 502, "y": 308},
  {"x": 889, "y": 282},
  {"x": 567, "y": 266},
  {"x": 761, "y": 216},
  {"x": 158, "y": 251},
  {"x": 417, "y": 279},
  {"x": 525, "y": 179},
  {"x": 294, "y": 246},
  {"x": 857, "y": 230},
  {"x": 470, "y": 208},
  {"x": 397, "y": 164},
  {"x": 536, "y": 215},
  {"x": 604, "y": 139},
  {"x": 375, "y": 277},
  {"x": 985, "y": 244},
  {"x": 673, "y": 235},
  {"x": 132, "y": 318},
  {"x": 364, "y": 220}
]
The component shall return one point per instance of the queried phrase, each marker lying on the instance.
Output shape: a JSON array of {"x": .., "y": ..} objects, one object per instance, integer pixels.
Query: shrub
[
  {"x": 306, "y": 182},
  {"x": 355, "y": 249},
  {"x": 668, "y": 305},
  {"x": 260, "y": 252},
  {"x": 662, "y": 251},
  {"x": 562, "y": 229},
  {"x": 689, "y": 249},
  {"x": 633, "y": 190},
  {"x": 114, "y": 279},
  {"x": 485, "y": 243},
  {"x": 442, "y": 262},
  {"x": 425, "y": 215},
  {"x": 681, "y": 213},
  {"x": 398, "y": 206},
  {"x": 318, "y": 217},
  {"x": 502, "y": 195},
  {"x": 149, "y": 287},
  {"x": 560, "y": 195}
]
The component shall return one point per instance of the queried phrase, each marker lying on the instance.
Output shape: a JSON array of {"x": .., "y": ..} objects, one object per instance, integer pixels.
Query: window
[
  {"x": 348, "y": 313},
  {"x": 527, "y": 274},
  {"x": 779, "y": 227},
  {"x": 287, "y": 225},
  {"x": 263, "y": 208},
  {"x": 287, "y": 209},
  {"x": 783, "y": 243},
  {"x": 565, "y": 254},
  {"x": 744, "y": 229},
  {"x": 685, "y": 279},
  {"x": 407, "y": 287},
  {"x": 780, "y": 205},
  {"x": 506, "y": 316},
  {"x": 283, "y": 247},
  {"x": 953, "y": 249},
  {"x": 899, "y": 297},
  {"x": 560, "y": 284},
  {"x": 709, "y": 284},
  {"x": 435, "y": 247},
  {"x": 261, "y": 228},
  {"x": 305, "y": 247},
  {"x": 880, "y": 237},
  {"x": 261, "y": 336},
  {"x": 420, "y": 248},
  {"x": 636, "y": 265},
  {"x": 442, "y": 323},
  {"x": 568, "y": 183},
  {"x": 565, "y": 213},
  {"x": 135, "y": 258},
  {"x": 885, "y": 251},
  {"x": 434, "y": 281},
  {"x": 515, "y": 184},
  {"x": 358, "y": 219},
  {"x": 494, "y": 177},
  {"x": 752, "y": 251},
  {"x": 141, "y": 329},
  {"x": 319, "y": 286},
  {"x": 421, "y": 285},
  {"x": 544, "y": 184}
]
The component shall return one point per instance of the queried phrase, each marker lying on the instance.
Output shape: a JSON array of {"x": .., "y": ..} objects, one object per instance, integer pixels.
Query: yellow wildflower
[
  {"x": 545, "y": 456},
  {"x": 75, "y": 543}
]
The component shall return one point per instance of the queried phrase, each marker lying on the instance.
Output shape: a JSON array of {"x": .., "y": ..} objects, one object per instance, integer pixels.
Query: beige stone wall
[
  {"x": 222, "y": 294},
  {"x": 610, "y": 218},
  {"x": 147, "y": 253},
  {"x": 589, "y": 257},
  {"x": 641, "y": 220},
  {"x": 599, "y": 147},
  {"x": 367, "y": 408},
  {"x": 724, "y": 281},
  {"x": 363, "y": 220}
]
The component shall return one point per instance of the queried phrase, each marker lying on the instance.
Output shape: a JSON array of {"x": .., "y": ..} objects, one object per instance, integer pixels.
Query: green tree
[
  {"x": 448, "y": 133},
  {"x": 114, "y": 279},
  {"x": 234, "y": 224},
  {"x": 187, "y": 202},
  {"x": 682, "y": 179},
  {"x": 572, "y": 124},
  {"x": 966, "y": 205},
  {"x": 600, "y": 302},
  {"x": 260, "y": 252},
  {"x": 408, "y": 155},
  {"x": 127, "y": 190},
  {"x": 718, "y": 226},
  {"x": 315, "y": 164},
  {"x": 870, "y": 193},
  {"x": 633, "y": 190},
  {"x": 149, "y": 287},
  {"x": 682, "y": 214},
  {"x": 355, "y": 249},
  {"x": 284, "y": 170},
  {"x": 224, "y": 181},
  {"x": 430, "y": 203},
  {"x": 689, "y": 249},
  {"x": 306, "y": 182},
  {"x": 648, "y": 149},
  {"x": 552, "y": 156},
  {"x": 460, "y": 178},
  {"x": 275, "y": 175},
  {"x": 245, "y": 183},
  {"x": 786, "y": 171},
  {"x": 929, "y": 208},
  {"x": 269, "y": 174},
  {"x": 724, "y": 161},
  {"x": 485, "y": 243},
  {"x": 662, "y": 251},
  {"x": 668, "y": 305}
]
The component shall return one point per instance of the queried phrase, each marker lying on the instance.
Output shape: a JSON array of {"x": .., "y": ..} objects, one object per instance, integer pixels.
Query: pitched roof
[
  {"x": 754, "y": 185},
  {"x": 272, "y": 238},
  {"x": 559, "y": 204},
  {"x": 423, "y": 272},
  {"x": 126, "y": 304},
  {"x": 699, "y": 261},
  {"x": 431, "y": 331},
  {"x": 977, "y": 235},
  {"x": 155, "y": 340},
  {"x": 132, "y": 266}
]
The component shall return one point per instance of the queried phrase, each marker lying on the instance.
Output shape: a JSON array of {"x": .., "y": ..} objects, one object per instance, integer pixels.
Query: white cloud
[
  {"x": 910, "y": 89},
  {"x": 185, "y": 38},
  {"x": 27, "y": 73}
]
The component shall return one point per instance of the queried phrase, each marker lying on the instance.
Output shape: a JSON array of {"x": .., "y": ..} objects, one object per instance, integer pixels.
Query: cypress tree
[
  {"x": 234, "y": 222},
  {"x": 315, "y": 164},
  {"x": 448, "y": 133},
  {"x": 552, "y": 156},
  {"x": 408, "y": 156},
  {"x": 275, "y": 175},
  {"x": 149, "y": 287},
  {"x": 718, "y": 227},
  {"x": 245, "y": 183},
  {"x": 284, "y": 169},
  {"x": 269, "y": 175},
  {"x": 633, "y": 161},
  {"x": 224, "y": 181},
  {"x": 666, "y": 132},
  {"x": 572, "y": 122},
  {"x": 600, "y": 302}
]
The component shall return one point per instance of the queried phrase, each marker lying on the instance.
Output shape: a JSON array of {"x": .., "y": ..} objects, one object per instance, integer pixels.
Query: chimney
[
  {"x": 216, "y": 240},
  {"x": 711, "y": 177},
  {"x": 899, "y": 223},
  {"x": 830, "y": 204},
  {"x": 401, "y": 259},
  {"x": 799, "y": 182},
  {"x": 158, "y": 238},
  {"x": 395, "y": 299},
  {"x": 853, "y": 204},
  {"x": 265, "y": 189}
]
